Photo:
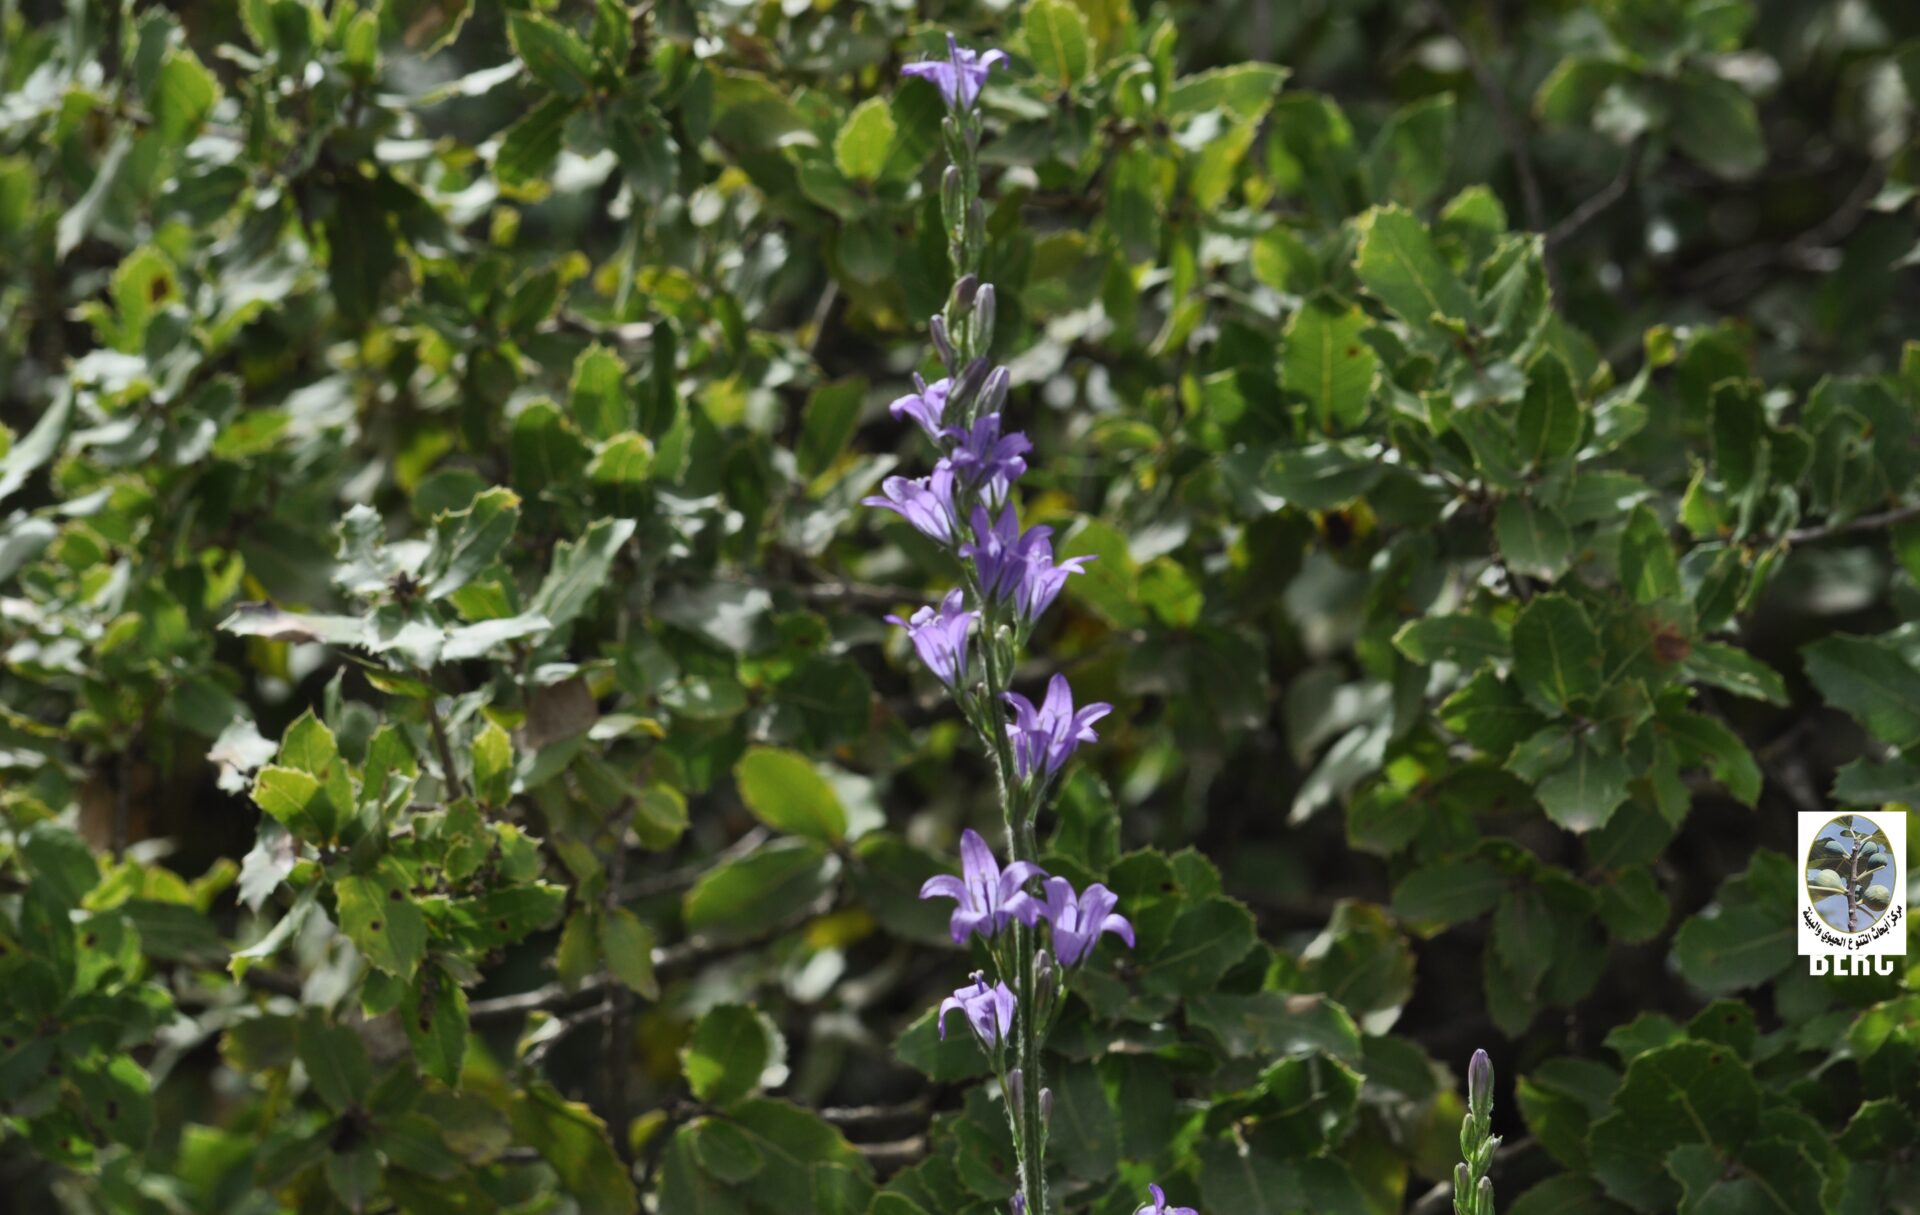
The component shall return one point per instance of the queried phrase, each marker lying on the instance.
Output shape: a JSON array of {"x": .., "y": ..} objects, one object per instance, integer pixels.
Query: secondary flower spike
[
  {"x": 1043, "y": 738},
  {"x": 1079, "y": 919},
  {"x": 940, "y": 637},
  {"x": 988, "y": 897},
  {"x": 1159, "y": 1205},
  {"x": 989, "y": 1010},
  {"x": 958, "y": 76},
  {"x": 926, "y": 502}
]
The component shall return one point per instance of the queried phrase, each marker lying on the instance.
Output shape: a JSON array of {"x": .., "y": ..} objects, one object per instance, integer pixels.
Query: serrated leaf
[
  {"x": 1401, "y": 267},
  {"x": 1326, "y": 360},
  {"x": 1557, "y": 658}
]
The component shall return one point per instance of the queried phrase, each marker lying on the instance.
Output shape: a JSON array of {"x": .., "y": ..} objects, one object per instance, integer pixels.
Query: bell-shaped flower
[
  {"x": 987, "y": 897},
  {"x": 927, "y": 405},
  {"x": 1044, "y": 737},
  {"x": 1159, "y": 1205},
  {"x": 989, "y": 1010},
  {"x": 958, "y": 76},
  {"x": 1040, "y": 580},
  {"x": 940, "y": 637},
  {"x": 926, "y": 502},
  {"x": 986, "y": 461},
  {"x": 1000, "y": 550},
  {"x": 1079, "y": 919}
]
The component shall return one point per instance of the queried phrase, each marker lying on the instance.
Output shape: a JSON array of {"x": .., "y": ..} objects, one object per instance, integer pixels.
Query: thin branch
[
  {"x": 455, "y": 789},
  {"x": 1598, "y": 205},
  {"x": 1853, "y": 527},
  {"x": 556, "y": 998}
]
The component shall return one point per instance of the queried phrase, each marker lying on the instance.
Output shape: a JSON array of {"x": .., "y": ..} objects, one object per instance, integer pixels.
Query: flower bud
[
  {"x": 1046, "y": 1106},
  {"x": 937, "y": 330},
  {"x": 972, "y": 380},
  {"x": 983, "y": 318},
  {"x": 1462, "y": 1180},
  {"x": 1043, "y": 975},
  {"x": 1020, "y": 1204},
  {"x": 993, "y": 394},
  {"x": 1480, "y": 1085},
  {"x": 964, "y": 292},
  {"x": 1016, "y": 1088},
  {"x": 1483, "y": 1199}
]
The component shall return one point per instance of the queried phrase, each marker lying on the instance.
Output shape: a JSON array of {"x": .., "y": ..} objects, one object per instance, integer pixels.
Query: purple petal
[
  {"x": 976, "y": 859},
  {"x": 944, "y": 886},
  {"x": 1118, "y": 925},
  {"x": 965, "y": 922}
]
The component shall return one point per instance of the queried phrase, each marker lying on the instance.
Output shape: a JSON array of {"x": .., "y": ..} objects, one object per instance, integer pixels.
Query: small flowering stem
[{"x": 1472, "y": 1188}]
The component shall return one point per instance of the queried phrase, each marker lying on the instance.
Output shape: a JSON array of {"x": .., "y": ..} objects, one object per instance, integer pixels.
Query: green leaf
[
  {"x": 574, "y": 1142},
  {"x": 1466, "y": 640},
  {"x": 552, "y": 53},
  {"x": 295, "y": 800},
  {"x": 726, "y": 1055},
  {"x": 1413, "y": 153},
  {"x": 1533, "y": 539},
  {"x": 309, "y": 746},
  {"x": 1734, "y": 670},
  {"x": 1648, "y": 570},
  {"x": 531, "y": 146},
  {"x": 435, "y": 1015},
  {"x": 833, "y": 411},
  {"x": 1318, "y": 477},
  {"x": 1207, "y": 938},
  {"x": 1582, "y": 795},
  {"x": 362, "y": 252},
  {"x": 1733, "y": 765},
  {"x": 1871, "y": 681},
  {"x": 1326, "y": 360},
  {"x": 724, "y": 1150},
  {"x": 1401, "y": 268},
  {"x": 1449, "y": 892},
  {"x": 379, "y": 916},
  {"x": 787, "y": 793},
  {"x": 597, "y": 394},
  {"x": 1687, "y": 1093},
  {"x": 1243, "y": 89},
  {"x": 1490, "y": 713},
  {"x": 860, "y": 149},
  {"x": 1715, "y": 122},
  {"x": 629, "y": 949},
  {"x": 1742, "y": 946},
  {"x": 759, "y": 893},
  {"x": 1269, "y": 1024},
  {"x": 1083, "y": 1134},
  {"x": 1550, "y": 422},
  {"x": 1557, "y": 658},
  {"x": 335, "y": 1060},
  {"x": 466, "y": 542},
  {"x": 580, "y": 570},
  {"x": 1058, "y": 41}
]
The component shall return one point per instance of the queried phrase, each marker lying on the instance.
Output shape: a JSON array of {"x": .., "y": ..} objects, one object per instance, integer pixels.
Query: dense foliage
[{"x": 453, "y": 757}]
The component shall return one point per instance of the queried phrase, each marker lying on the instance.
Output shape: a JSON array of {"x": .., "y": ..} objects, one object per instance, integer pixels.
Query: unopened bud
[
  {"x": 964, "y": 292},
  {"x": 1046, "y": 1106},
  {"x": 993, "y": 394},
  {"x": 1480, "y": 1085},
  {"x": 950, "y": 186},
  {"x": 983, "y": 318},
  {"x": 1483, "y": 1200},
  {"x": 1043, "y": 974},
  {"x": 1462, "y": 1180},
  {"x": 1016, "y": 1088},
  {"x": 972, "y": 380},
  {"x": 1020, "y": 1204},
  {"x": 937, "y": 330}
]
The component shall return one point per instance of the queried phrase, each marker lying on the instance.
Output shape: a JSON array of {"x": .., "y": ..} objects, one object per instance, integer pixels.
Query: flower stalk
[
  {"x": 1037, "y": 928},
  {"x": 1472, "y": 1188}
]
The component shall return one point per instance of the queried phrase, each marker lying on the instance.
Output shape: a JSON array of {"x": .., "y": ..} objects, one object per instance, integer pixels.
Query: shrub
[{"x": 455, "y": 757}]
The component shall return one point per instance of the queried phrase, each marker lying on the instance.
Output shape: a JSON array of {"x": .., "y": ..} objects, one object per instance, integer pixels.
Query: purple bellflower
[
  {"x": 1043, "y": 738},
  {"x": 1079, "y": 919},
  {"x": 927, "y": 405},
  {"x": 986, "y": 461},
  {"x": 989, "y": 1010},
  {"x": 958, "y": 76},
  {"x": 1000, "y": 551},
  {"x": 1041, "y": 580},
  {"x": 926, "y": 502},
  {"x": 1159, "y": 1205},
  {"x": 987, "y": 897},
  {"x": 940, "y": 636}
]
